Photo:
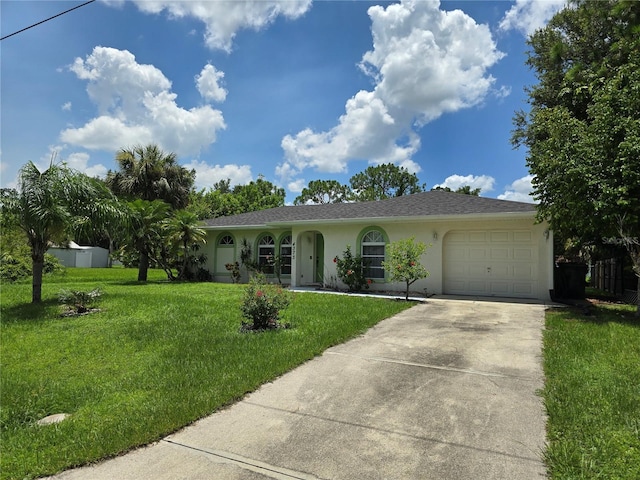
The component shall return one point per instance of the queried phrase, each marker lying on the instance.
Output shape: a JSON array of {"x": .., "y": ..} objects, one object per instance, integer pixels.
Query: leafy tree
[
  {"x": 403, "y": 264},
  {"x": 258, "y": 195},
  {"x": 213, "y": 204},
  {"x": 50, "y": 205},
  {"x": 185, "y": 233},
  {"x": 583, "y": 128},
  {"x": 465, "y": 189},
  {"x": 146, "y": 234},
  {"x": 150, "y": 174},
  {"x": 384, "y": 181},
  {"x": 222, "y": 200},
  {"x": 322, "y": 192}
]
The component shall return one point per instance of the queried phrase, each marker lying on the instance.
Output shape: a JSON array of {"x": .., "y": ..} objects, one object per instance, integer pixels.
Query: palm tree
[
  {"x": 145, "y": 231},
  {"x": 50, "y": 205},
  {"x": 184, "y": 231},
  {"x": 150, "y": 174}
]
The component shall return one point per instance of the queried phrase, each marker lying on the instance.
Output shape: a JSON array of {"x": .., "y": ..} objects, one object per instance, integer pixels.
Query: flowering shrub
[
  {"x": 263, "y": 303},
  {"x": 403, "y": 262},
  {"x": 350, "y": 270},
  {"x": 234, "y": 268}
]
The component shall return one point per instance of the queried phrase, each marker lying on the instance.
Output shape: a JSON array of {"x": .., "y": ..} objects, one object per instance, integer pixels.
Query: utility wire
[{"x": 46, "y": 20}]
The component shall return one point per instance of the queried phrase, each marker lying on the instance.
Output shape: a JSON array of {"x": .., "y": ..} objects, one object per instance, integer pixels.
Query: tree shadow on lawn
[
  {"x": 31, "y": 312},
  {"x": 601, "y": 312}
]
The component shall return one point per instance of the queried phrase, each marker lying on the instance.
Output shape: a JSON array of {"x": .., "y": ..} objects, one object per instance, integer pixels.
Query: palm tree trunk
[
  {"x": 37, "y": 257},
  {"x": 36, "y": 294},
  {"x": 143, "y": 266}
]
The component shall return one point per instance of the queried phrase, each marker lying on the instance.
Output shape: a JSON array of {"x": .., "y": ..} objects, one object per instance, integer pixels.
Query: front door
[{"x": 319, "y": 255}]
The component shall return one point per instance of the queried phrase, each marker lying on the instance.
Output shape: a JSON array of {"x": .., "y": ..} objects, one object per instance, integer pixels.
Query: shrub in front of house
[
  {"x": 350, "y": 269},
  {"x": 263, "y": 304}
]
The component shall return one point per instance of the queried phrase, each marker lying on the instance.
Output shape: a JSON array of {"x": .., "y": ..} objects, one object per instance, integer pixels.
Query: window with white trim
[
  {"x": 373, "y": 246},
  {"x": 226, "y": 241},
  {"x": 285, "y": 255},
  {"x": 266, "y": 251}
]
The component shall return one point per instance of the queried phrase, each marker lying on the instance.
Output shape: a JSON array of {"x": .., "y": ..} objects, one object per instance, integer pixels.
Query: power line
[{"x": 46, "y": 20}]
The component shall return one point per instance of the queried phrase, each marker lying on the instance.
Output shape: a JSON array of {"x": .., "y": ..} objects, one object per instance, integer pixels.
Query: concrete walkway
[{"x": 444, "y": 390}]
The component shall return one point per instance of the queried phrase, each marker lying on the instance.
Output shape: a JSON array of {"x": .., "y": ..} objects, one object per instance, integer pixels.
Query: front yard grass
[
  {"x": 592, "y": 393},
  {"x": 156, "y": 357}
]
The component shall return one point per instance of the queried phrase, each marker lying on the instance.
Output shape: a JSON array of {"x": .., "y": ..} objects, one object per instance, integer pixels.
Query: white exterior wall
[{"x": 338, "y": 235}]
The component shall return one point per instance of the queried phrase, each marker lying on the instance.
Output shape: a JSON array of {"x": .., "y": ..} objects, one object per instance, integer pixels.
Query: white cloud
[
  {"x": 224, "y": 19},
  {"x": 425, "y": 62},
  {"x": 208, "y": 86},
  {"x": 76, "y": 160},
  {"x": 207, "y": 175},
  {"x": 136, "y": 106},
  {"x": 297, "y": 185},
  {"x": 520, "y": 190},
  {"x": 527, "y": 16},
  {"x": 484, "y": 182},
  {"x": 66, "y": 106},
  {"x": 80, "y": 161}
]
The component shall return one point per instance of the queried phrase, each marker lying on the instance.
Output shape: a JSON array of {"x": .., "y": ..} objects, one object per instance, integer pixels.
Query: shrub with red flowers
[
  {"x": 350, "y": 270},
  {"x": 403, "y": 262},
  {"x": 263, "y": 303}
]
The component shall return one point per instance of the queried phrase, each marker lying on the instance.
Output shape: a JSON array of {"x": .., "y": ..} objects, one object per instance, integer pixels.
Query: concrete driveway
[{"x": 444, "y": 390}]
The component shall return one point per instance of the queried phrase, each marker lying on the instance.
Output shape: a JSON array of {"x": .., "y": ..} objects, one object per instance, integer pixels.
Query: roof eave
[{"x": 403, "y": 219}]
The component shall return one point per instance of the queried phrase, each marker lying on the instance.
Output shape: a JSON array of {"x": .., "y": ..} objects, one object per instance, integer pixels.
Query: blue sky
[{"x": 292, "y": 90}]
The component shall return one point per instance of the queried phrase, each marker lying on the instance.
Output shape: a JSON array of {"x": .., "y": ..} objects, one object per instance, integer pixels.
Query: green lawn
[
  {"x": 592, "y": 393},
  {"x": 157, "y": 357}
]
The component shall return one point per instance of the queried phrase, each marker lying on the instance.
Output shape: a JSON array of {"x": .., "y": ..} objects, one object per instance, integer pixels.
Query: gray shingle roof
[{"x": 425, "y": 204}]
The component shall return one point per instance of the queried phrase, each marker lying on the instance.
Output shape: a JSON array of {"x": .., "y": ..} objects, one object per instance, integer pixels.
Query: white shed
[{"x": 75, "y": 255}]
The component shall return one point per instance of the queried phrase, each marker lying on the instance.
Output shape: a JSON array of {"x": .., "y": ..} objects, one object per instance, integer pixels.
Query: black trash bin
[{"x": 570, "y": 280}]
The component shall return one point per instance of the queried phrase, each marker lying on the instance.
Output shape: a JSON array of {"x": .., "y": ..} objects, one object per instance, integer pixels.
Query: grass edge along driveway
[
  {"x": 157, "y": 357},
  {"x": 592, "y": 392}
]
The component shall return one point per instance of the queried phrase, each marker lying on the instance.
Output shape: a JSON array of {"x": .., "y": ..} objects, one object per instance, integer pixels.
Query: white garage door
[{"x": 490, "y": 263}]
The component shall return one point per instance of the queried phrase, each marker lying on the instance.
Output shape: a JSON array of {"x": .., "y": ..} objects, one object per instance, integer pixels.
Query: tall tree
[
  {"x": 145, "y": 234},
  {"x": 150, "y": 174},
  {"x": 259, "y": 195},
  {"x": 50, "y": 205},
  {"x": 322, "y": 192},
  {"x": 147, "y": 173},
  {"x": 583, "y": 128},
  {"x": 184, "y": 232},
  {"x": 384, "y": 181}
]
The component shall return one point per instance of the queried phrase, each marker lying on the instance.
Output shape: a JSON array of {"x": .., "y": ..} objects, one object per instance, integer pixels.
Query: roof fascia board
[{"x": 368, "y": 220}]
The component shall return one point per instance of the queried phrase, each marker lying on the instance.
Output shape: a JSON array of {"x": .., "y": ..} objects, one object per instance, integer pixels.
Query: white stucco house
[{"x": 479, "y": 246}]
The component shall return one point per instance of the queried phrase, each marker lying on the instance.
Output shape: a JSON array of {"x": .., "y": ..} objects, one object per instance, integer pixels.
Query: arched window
[
  {"x": 266, "y": 251},
  {"x": 285, "y": 255},
  {"x": 226, "y": 241},
  {"x": 373, "y": 253}
]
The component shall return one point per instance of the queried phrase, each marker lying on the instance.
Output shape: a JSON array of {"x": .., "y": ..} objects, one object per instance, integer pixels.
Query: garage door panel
[
  {"x": 500, "y": 254},
  {"x": 501, "y": 271},
  {"x": 476, "y": 254},
  {"x": 477, "y": 287},
  {"x": 523, "y": 289},
  {"x": 491, "y": 262},
  {"x": 499, "y": 288},
  {"x": 499, "y": 236},
  {"x": 476, "y": 270},
  {"x": 477, "y": 236},
  {"x": 523, "y": 271},
  {"x": 522, "y": 236}
]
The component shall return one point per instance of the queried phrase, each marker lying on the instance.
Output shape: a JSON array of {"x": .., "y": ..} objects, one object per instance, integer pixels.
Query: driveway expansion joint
[
  {"x": 432, "y": 367},
  {"x": 253, "y": 465}
]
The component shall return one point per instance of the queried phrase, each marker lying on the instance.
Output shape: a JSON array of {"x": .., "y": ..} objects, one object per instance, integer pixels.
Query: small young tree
[{"x": 403, "y": 262}]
